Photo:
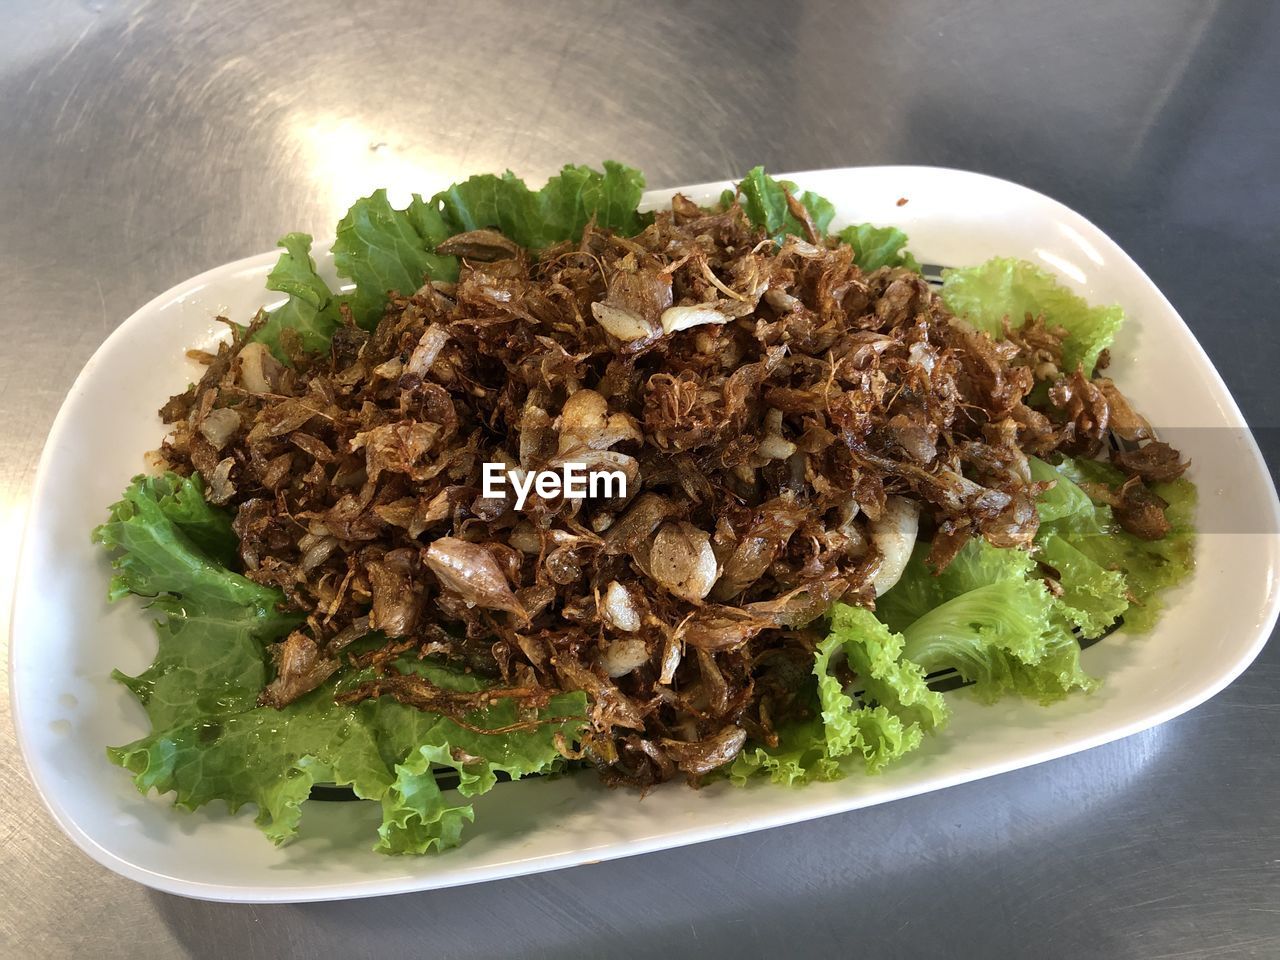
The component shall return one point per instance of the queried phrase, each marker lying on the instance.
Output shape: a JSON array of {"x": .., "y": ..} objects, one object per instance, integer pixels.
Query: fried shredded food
[{"x": 764, "y": 403}]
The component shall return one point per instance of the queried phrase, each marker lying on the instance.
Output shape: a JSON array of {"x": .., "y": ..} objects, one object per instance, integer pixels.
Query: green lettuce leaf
[
  {"x": 885, "y": 720},
  {"x": 383, "y": 750},
  {"x": 990, "y": 616},
  {"x": 211, "y": 741},
  {"x": 800, "y": 757},
  {"x": 764, "y": 201},
  {"x": 1146, "y": 567},
  {"x": 1004, "y": 287},
  {"x": 154, "y": 556},
  {"x": 875, "y": 733},
  {"x": 384, "y": 250},
  {"x": 311, "y": 310},
  {"x": 886, "y": 676},
  {"x": 978, "y": 564},
  {"x": 1093, "y": 597},
  {"x": 875, "y": 247},
  {"x": 1010, "y": 636},
  {"x": 181, "y": 500},
  {"x": 559, "y": 211},
  {"x": 1063, "y": 499}
]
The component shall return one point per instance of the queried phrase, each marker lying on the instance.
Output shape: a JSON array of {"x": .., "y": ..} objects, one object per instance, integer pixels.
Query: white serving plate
[{"x": 66, "y": 638}]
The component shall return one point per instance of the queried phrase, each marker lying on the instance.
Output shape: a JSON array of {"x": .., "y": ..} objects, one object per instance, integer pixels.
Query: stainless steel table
[{"x": 143, "y": 142}]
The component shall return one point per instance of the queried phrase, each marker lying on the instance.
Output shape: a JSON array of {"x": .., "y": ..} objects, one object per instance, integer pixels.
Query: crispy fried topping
[{"x": 773, "y": 408}]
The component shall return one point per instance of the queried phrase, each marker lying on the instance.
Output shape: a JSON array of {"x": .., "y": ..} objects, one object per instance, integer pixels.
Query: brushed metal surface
[{"x": 141, "y": 143}]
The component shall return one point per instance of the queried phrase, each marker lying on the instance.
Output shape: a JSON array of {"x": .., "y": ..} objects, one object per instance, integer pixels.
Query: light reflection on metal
[{"x": 350, "y": 160}]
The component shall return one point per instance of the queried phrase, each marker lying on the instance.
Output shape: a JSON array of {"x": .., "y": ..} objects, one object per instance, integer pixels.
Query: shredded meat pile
[{"x": 769, "y": 407}]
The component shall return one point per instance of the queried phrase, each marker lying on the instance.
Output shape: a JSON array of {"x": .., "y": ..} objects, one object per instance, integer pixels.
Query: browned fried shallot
[{"x": 786, "y": 424}]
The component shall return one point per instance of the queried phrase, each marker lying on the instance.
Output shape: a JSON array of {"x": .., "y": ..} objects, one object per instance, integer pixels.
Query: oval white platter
[{"x": 66, "y": 638}]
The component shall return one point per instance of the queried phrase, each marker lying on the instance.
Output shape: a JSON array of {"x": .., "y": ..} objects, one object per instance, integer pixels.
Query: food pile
[{"x": 821, "y": 452}]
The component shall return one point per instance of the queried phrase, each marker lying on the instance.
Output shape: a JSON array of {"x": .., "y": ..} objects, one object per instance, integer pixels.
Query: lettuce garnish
[
  {"x": 1099, "y": 562},
  {"x": 559, "y": 211},
  {"x": 989, "y": 617},
  {"x": 312, "y": 310},
  {"x": 875, "y": 247},
  {"x": 1002, "y": 287},
  {"x": 764, "y": 201},
  {"x": 1005, "y": 637},
  {"x": 878, "y": 723},
  {"x": 383, "y": 250},
  {"x": 211, "y": 741}
]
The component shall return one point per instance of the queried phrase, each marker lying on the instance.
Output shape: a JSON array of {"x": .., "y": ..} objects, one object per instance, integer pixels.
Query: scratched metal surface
[{"x": 142, "y": 143}]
